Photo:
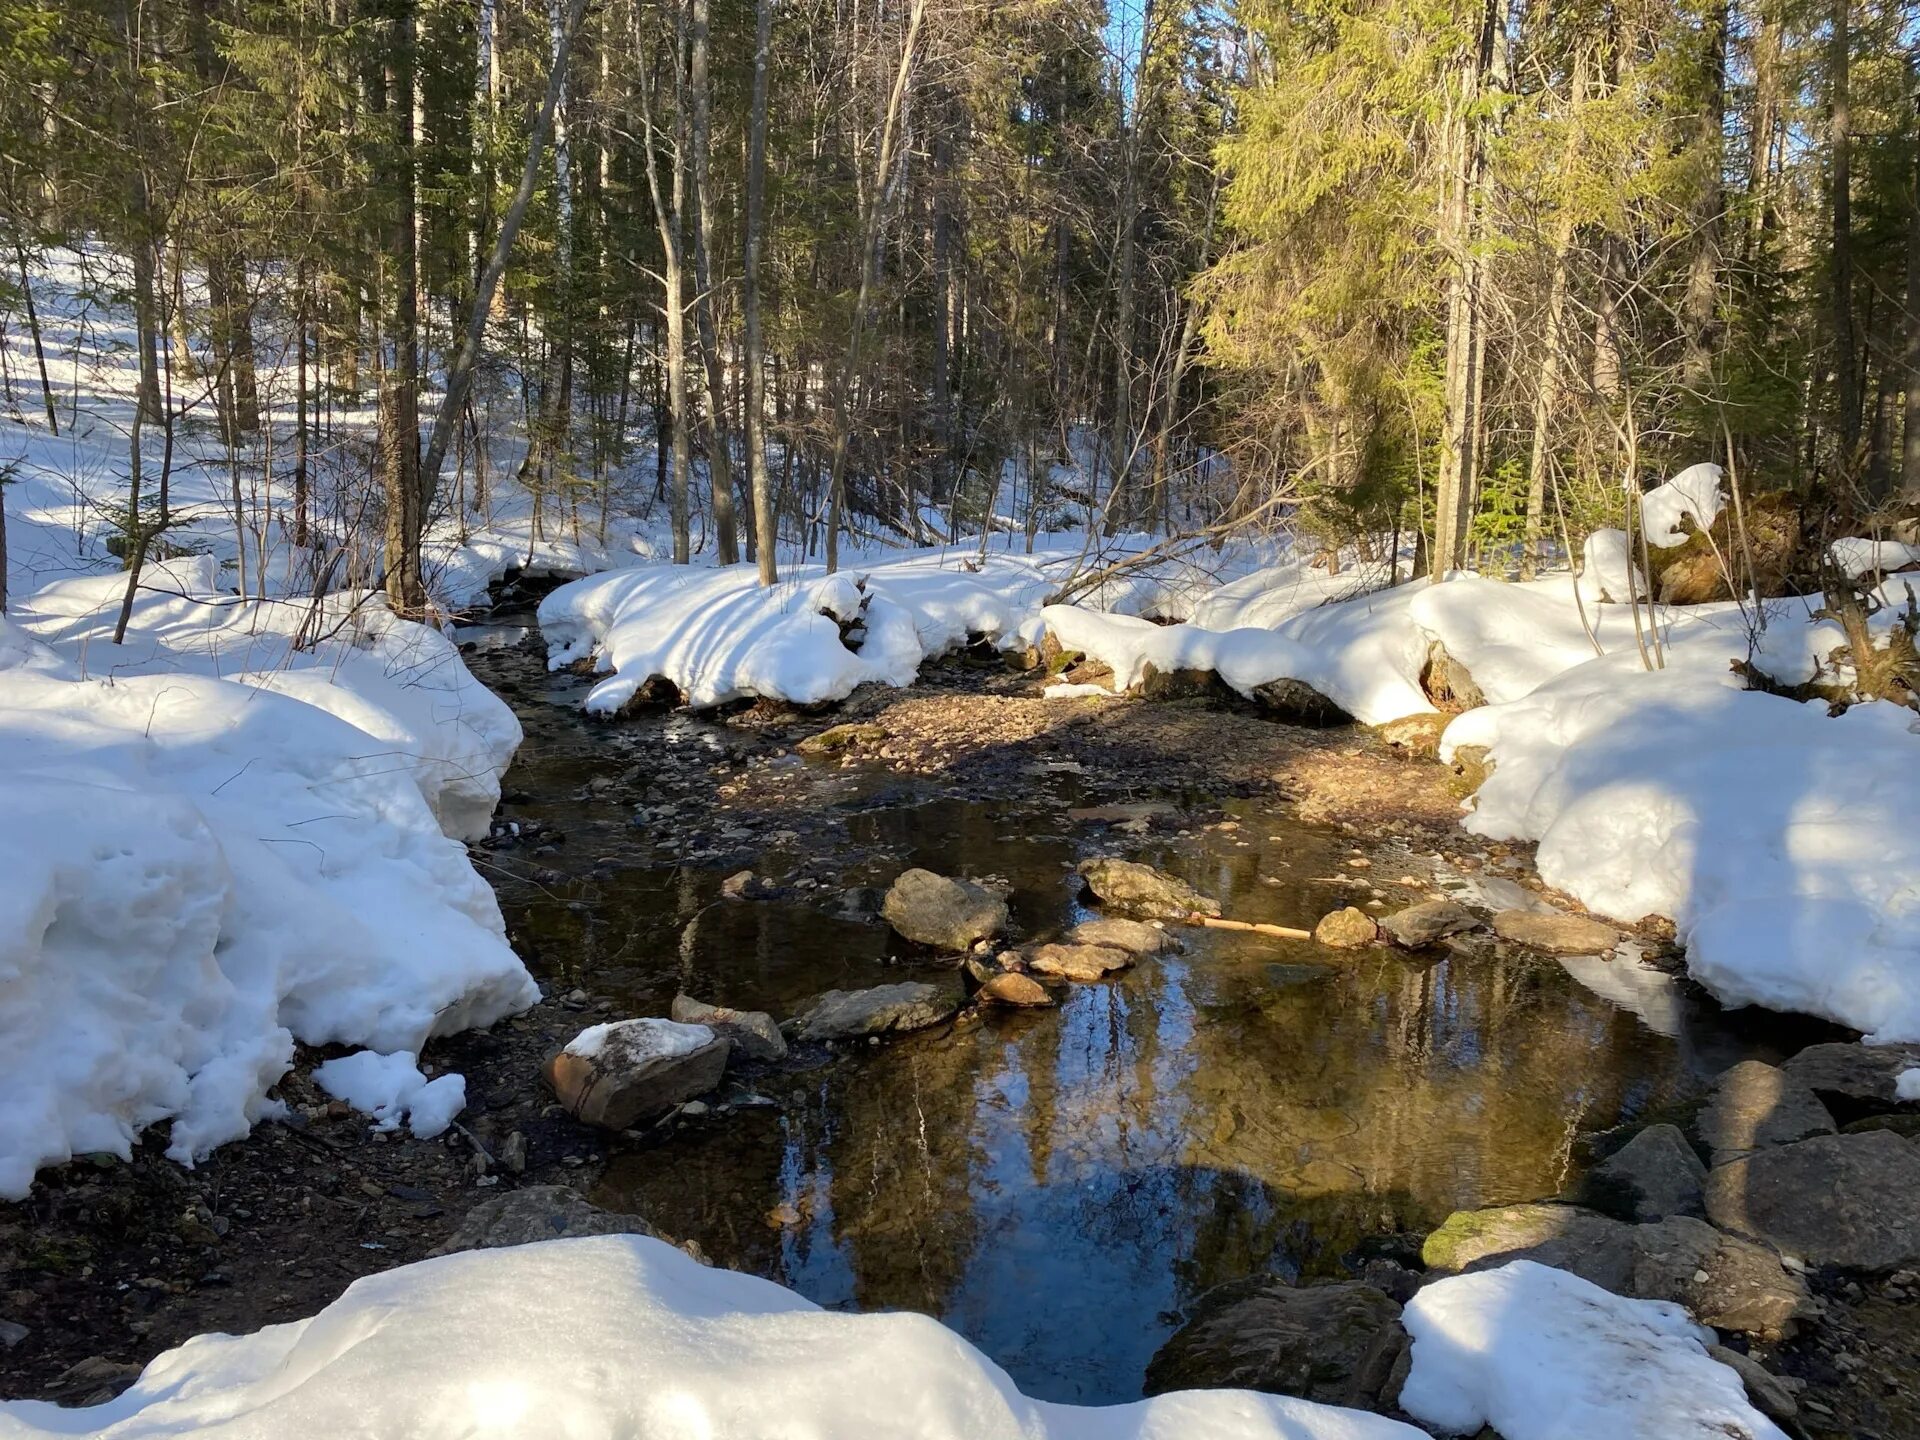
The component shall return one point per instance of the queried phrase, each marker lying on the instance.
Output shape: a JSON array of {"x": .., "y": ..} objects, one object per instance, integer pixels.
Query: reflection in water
[{"x": 1056, "y": 1185}]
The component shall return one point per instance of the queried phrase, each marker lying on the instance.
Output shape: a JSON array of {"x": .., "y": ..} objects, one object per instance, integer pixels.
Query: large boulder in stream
[
  {"x": 1755, "y": 1107},
  {"x": 931, "y": 909},
  {"x": 1556, "y": 932},
  {"x": 1853, "y": 1075},
  {"x": 1727, "y": 1282},
  {"x": 1335, "y": 1344},
  {"x": 883, "y": 1010},
  {"x": 1143, "y": 890},
  {"x": 1831, "y": 1199},
  {"x": 1652, "y": 1176},
  {"x": 1427, "y": 923},
  {"x": 1136, "y": 937},
  {"x": 1076, "y": 962},
  {"x": 622, "y": 1074}
]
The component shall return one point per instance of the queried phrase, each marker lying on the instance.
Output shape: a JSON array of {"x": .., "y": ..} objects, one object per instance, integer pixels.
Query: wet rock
[
  {"x": 1347, "y": 929},
  {"x": 745, "y": 885},
  {"x": 1652, "y": 1176},
  {"x": 1298, "y": 702},
  {"x": 1832, "y": 1199},
  {"x": 1426, "y": 923},
  {"x": 12, "y": 1333},
  {"x": 1335, "y": 1344},
  {"x": 1144, "y": 890},
  {"x": 1076, "y": 962},
  {"x": 513, "y": 1154},
  {"x": 1859, "y": 1073},
  {"x": 620, "y": 1075},
  {"x": 1009, "y": 987},
  {"x": 537, "y": 1212},
  {"x": 1755, "y": 1106},
  {"x": 1726, "y": 1282},
  {"x": 753, "y": 1033},
  {"x": 931, "y": 909},
  {"x": 859, "y": 902},
  {"x": 837, "y": 738},
  {"x": 1162, "y": 685},
  {"x": 94, "y": 1380},
  {"x": 654, "y": 693},
  {"x": 885, "y": 1009},
  {"x": 1555, "y": 932},
  {"x": 1765, "y": 1389},
  {"x": 1133, "y": 936}
]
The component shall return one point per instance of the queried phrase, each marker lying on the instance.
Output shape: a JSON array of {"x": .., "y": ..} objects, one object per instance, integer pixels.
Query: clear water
[{"x": 1056, "y": 1185}]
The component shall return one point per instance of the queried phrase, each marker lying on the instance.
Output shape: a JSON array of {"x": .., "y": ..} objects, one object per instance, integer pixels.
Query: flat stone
[
  {"x": 1347, "y": 929},
  {"x": 1334, "y": 1344},
  {"x": 1012, "y": 988},
  {"x": 622, "y": 1074},
  {"x": 1855, "y": 1072},
  {"x": 1755, "y": 1106},
  {"x": 1556, "y": 932},
  {"x": 1144, "y": 890},
  {"x": 1831, "y": 1199},
  {"x": 1652, "y": 1176},
  {"x": 947, "y": 914},
  {"x": 1426, "y": 923},
  {"x": 1076, "y": 962},
  {"x": 1726, "y": 1282},
  {"x": 883, "y": 1010},
  {"x": 537, "y": 1212},
  {"x": 1135, "y": 936},
  {"x": 753, "y": 1033}
]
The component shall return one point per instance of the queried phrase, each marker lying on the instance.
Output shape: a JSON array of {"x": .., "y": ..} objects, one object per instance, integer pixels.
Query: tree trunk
[
  {"x": 1846, "y": 381},
  {"x": 39, "y": 353},
  {"x": 766, "y": 531},
  {"x": 400, "y": 378},
  {"x": 670, "y": 219},
  {"x": 719, "y": 453},
  {"x": 1699, "y": 316},
  {"x": 1910, "y": 453}
]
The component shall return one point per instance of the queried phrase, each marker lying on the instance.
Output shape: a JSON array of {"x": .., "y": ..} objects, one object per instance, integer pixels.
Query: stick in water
[{"x": 1214, "y": 922}]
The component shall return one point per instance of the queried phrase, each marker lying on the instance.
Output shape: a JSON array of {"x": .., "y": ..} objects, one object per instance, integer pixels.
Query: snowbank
[
  {"x": 1782, "y": 843},
  {"x": 624, "y": 1335},
  {"x": 1855, "y": 557},
  {"x": 718, "y": 636},
  {"x": 218, "y": 843},
  {"x": 1539, "y": 1354},
  {"x": 1694, "y": 492}
]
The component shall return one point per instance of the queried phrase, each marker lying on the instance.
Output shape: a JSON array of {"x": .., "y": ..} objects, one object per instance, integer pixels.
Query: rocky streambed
[{"x": 1313, "y": 1128}]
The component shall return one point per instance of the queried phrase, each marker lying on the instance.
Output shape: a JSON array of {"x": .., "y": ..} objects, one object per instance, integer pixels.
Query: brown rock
[
  {"x": 1077, "y": 962},
  {"x": 1347, "y": 929},
  {"x": 1012, "y": 988},
  {"x": 751, "y": 1032},
  {"x": 884, "y": 1009},
  {"x": 836, "y": 738},
  {"x": 1555, "y": 932},
  {"x": 1415, "y": 735},
  {"x": 947, "y": 914},
  {"x": 621, "y": 1074},
  {"x": 1134, "y": 936},
  {"x": 1144, "y": 890}
]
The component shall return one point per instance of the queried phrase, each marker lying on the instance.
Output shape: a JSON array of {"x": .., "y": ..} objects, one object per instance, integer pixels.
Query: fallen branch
[{"x": 1281, "y": 932}]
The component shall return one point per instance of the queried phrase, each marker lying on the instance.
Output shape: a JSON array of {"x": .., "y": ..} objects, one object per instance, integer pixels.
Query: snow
[
  {"x": 1066, "y": 691},
  {"x": 646, "y": 1039},
  {"x": 1855, "y": 557},
  {"x": 391, "y": 1088},
  {"x": 1694, "y": 492},
  {"x": 625, "y": 1335},
  {"x": 1906, "y": 1085},
  {"x": 1782, "y": 842},
  {"x": 217, "y": 844},
  {"x": 1540, "y": 1354},
  {"x": 1610, "y": 574}
]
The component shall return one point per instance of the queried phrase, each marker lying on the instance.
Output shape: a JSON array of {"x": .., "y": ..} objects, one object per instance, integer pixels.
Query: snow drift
[
  {"x": 624, "y": 1335},
  {"x": 218, "y": 844}
]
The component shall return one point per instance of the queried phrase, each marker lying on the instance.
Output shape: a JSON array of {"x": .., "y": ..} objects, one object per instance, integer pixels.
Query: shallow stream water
[{"x": 1057, "y": 1185}]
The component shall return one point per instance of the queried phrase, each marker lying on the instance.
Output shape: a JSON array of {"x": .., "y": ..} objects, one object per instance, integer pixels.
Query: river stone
[
  {"x": 1726, "y": 1282},
  {"x": 537, "y": 1212},
  {"x": 619, "y": 1075},
  {"x": 1853, "y": 1072},
  {"x": 1144, "y": 890},
  {"x": 1011, "y": 988},
  {"x": 841, "y": 737},
  {"x": 1555, "y": 932},
  {"x": 752, "y": 1032},
  {"x": 1334, "y": 1344},
  {"x": 1347, "y": 929},
  {"x": 1299, "y": 702},
  {"x": 931, "y": 909},
  {"x": 1077, "y": 962},
  {"x": 885, "y": 1009},
  {"x": 1424, "y": 924},
  {"x": 1764, "y": 1388},
  {"x": 1652, "y": 1176},
  {"x": 1755, "y": 1106},
  {"x": 1133, "y": 936},
  {"x": 1832, "y": 1199}
]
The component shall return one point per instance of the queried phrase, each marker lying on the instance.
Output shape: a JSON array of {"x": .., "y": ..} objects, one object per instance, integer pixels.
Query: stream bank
[{"x": 1058, "y": 1186}]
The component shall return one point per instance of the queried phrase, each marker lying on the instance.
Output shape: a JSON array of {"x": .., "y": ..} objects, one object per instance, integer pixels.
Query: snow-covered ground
[{"x": 623, "y": 1335}]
